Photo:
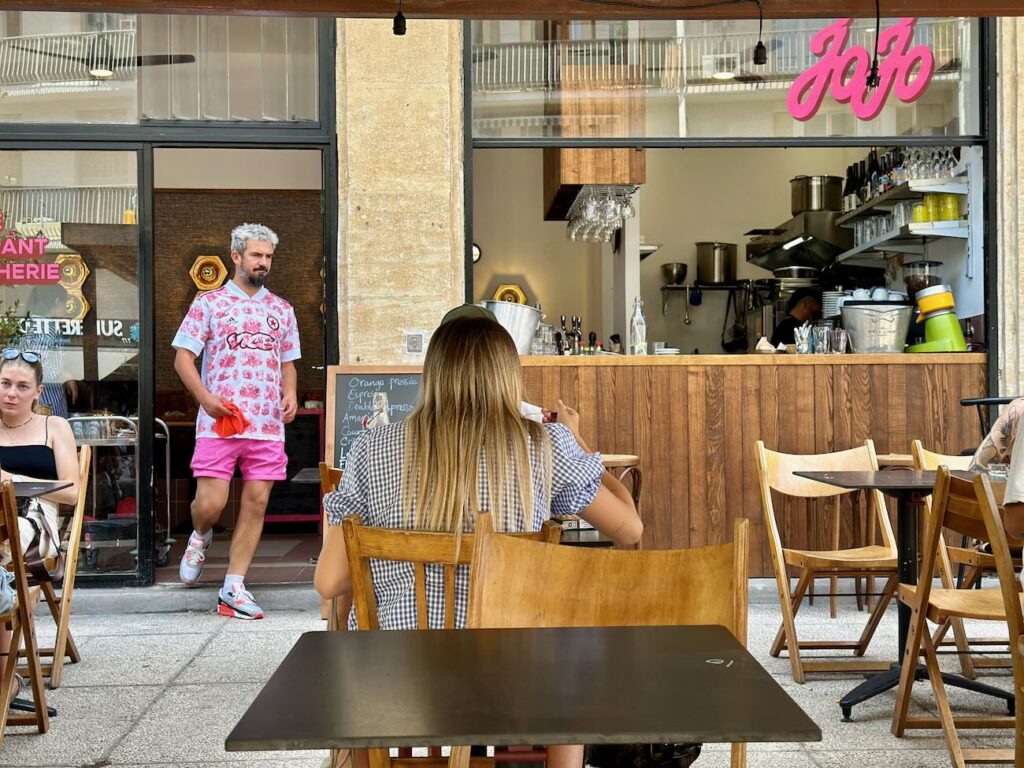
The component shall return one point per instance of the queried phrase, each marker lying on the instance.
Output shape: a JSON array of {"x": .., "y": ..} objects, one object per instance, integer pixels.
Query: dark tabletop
[
  {"x": 309, "y": 475},
  {"x": 884, "y": 480},
  {"x": 41, "y": 488},
  {"x": 585, "y": 537},
  {"x": 518, "y": 686}
]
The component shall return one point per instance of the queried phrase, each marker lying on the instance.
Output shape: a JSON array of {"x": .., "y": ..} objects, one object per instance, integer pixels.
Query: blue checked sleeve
[
  {"x": 575, "y": 474},
  {"x": 352, "y": 495}
]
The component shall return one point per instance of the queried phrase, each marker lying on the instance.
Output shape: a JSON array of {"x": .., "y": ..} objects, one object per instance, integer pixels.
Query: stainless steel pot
[
  {"x": 716, "y": 262},
  {"x": 520, "y": 320},
  {"x": 816, "y": 193}
]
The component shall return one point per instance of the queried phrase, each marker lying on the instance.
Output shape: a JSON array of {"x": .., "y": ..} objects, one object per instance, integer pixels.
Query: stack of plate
[
  {"x": 667, "y": 351},
  {"x": 830, "y": 303}
]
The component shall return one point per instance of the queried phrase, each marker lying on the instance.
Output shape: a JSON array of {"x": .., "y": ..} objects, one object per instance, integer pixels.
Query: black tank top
[{"x": 30, "y": 460}]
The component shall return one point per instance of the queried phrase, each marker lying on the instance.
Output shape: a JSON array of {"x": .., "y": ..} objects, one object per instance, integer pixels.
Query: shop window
[
  {"x": 76, "y": 302},
  {"x": 111, "y": 68},
  {"x": 692, "y": 79}
]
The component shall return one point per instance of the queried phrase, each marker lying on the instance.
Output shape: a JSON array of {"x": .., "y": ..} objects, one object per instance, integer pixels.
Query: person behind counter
[
  {"x": 463, "y": 444},
  {"x": 803, "y": 306},
  {"x": 33, "y": 447}
]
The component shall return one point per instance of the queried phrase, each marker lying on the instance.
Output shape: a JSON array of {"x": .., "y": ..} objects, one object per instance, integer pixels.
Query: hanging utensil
[{"x": 686, "y": 307}]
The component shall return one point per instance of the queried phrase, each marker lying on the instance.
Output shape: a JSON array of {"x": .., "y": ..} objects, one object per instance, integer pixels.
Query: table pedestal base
[{"x": 891, "y": 679}]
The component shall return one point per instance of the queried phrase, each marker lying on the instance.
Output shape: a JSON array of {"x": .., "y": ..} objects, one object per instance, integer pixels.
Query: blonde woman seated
[
  {"x": 33, "y": 447},
  {"x": 466, "y": 447}
]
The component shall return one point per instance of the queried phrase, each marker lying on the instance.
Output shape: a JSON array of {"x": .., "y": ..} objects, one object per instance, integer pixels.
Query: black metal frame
[
  {"x": 989, "y": 124},
  {"x": 143, "y": 139}
]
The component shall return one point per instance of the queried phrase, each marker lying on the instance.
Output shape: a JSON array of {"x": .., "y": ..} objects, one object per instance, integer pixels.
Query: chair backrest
[
  {"x": 775, "y": 472},
  {"x": 78, "y": 519},
  {"x": 929, "y": 460},
  {"x": 969, "y": 507},
  {"x": 420, "y": 549},
  {"x": 329, "y": 478},
  {"x": 517, "y": 583}
]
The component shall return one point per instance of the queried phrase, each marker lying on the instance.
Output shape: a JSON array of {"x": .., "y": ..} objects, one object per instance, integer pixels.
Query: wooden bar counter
[{"x": 693, "y": 421}]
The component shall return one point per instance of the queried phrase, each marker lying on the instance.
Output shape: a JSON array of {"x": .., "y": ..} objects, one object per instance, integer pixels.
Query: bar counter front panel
[{"x": 693, "y": 421}]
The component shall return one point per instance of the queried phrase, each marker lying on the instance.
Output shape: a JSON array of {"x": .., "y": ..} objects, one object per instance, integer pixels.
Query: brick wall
[{"x": 191, "y": 223}]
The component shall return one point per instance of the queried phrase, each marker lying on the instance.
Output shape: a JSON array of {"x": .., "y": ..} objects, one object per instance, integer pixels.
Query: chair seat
[
  {"x": 982, "y": 604},
  {"x": 875, "y": 557}
]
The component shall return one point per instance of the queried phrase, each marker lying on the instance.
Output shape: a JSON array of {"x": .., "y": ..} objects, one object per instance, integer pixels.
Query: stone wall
[
  {"x": 400, "y": 179},
  {"x": 1010, "y": 204}
]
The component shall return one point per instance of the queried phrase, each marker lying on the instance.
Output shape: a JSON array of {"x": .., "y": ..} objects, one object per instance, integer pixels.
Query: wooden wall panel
[{"x": 693, "y": 422}]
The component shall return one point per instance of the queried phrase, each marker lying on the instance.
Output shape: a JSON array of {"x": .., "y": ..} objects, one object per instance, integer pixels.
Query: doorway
[{"x": 199, "y": 196}]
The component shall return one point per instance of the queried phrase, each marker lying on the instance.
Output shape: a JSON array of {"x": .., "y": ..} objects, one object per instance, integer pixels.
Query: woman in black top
[{"x": 32, "y": 447}]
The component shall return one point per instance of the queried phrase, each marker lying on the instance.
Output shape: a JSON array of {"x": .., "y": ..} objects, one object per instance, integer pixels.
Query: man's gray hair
[{"x": 241, "y": 234}]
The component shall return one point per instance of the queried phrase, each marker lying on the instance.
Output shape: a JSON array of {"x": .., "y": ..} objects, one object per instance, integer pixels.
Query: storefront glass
[
  {"x": 112, "y": 68},
  {"x": 698, "y": 79},
  {"x": 75, "y": 299}
]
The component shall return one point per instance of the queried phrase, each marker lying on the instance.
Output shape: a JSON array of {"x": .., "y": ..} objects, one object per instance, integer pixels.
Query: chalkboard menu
[{"x": 361, "y": 397}]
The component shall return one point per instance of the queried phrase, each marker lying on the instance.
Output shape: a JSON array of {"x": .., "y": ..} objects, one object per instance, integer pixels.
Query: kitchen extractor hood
[{"x": 809, "y": 239}]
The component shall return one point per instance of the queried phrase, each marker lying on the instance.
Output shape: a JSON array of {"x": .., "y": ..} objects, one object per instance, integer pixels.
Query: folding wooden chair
[
  {"x": 968, "y": 508},
  {"x": 420, "y": 549},
  {"x": 21, "y": 622},
  {"x": 775, "y": 472},
  {"x": 974, "y": 563},
  {"x": 519, "y": 583},
  {"x": 60, "y": 605}
]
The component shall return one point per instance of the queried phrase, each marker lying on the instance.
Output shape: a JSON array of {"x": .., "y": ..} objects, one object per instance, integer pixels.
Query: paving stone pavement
[{"x": 164, "y": 686}]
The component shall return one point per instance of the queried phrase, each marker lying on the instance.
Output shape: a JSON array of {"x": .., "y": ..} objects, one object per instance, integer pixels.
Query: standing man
[{"x": 249, "y": 341}]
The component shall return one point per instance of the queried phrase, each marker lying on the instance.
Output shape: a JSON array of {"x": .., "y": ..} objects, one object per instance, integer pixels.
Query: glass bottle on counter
[{"x": 638, "y": 329}]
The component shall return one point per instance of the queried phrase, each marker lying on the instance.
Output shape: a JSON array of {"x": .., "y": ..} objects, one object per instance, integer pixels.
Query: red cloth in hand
[{"x": 234, "y": 423}]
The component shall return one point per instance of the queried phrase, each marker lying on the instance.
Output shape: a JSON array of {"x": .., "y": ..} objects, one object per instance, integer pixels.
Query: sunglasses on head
[{"x": 13, "y": 354}]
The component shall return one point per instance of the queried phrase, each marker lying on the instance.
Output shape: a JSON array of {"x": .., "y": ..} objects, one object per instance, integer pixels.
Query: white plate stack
[{"x": 830, "y": 303}]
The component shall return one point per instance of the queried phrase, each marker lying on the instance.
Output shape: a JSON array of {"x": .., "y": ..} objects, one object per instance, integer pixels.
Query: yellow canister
[{"x": 935, "y": 299}]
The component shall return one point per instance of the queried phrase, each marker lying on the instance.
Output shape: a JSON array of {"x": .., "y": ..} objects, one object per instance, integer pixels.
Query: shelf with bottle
[
  {"x": 910, "y": 238},
  {"x": 914, "y": 189}
]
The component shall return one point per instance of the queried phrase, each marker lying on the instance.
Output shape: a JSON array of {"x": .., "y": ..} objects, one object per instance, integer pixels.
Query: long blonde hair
[{"x": 468, "y": 412}]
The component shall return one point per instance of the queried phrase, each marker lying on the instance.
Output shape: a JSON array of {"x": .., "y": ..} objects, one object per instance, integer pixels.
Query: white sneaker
[{"x": 191, "y": 567}]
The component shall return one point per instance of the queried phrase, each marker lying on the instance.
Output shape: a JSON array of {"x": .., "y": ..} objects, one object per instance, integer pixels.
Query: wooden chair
[
  {"x": 519, "y": 583},
  {"x": 968, "y": 508},
  {"x": 974, "y": 562},
  {"x": 60, "y": 606},
  {"x": 775, "y": 472},
  {"x": 420, "y": 549},
  {"x": 21, "y": 622},
  {"x": 330, "y": 477}
]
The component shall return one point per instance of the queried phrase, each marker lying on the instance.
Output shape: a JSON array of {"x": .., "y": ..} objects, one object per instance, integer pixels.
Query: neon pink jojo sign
[{"x": 844, "y": 71}]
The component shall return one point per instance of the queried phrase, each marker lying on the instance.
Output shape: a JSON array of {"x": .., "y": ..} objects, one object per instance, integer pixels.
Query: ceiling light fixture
[
  {"x": 760, "y": 52},
  {"x": 873, "y": 80},
  {"x": 399, "y": 25}
]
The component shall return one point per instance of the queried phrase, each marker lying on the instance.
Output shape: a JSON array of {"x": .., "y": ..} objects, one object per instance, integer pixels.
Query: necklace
[{"x": 9, "y": 428}]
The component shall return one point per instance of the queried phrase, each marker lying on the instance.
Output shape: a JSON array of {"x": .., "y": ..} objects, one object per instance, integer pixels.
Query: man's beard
[{"x": 256, "y": 279}]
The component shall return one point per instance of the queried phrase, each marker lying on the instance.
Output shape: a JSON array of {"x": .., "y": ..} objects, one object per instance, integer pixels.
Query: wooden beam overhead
[{"x": 541, "y": 9}]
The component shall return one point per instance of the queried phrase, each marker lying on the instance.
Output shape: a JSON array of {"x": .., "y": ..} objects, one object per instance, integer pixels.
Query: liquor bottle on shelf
[
  {"x": 873, "y": 173},
  {"x": 862, "y": 183},
  {"x": 849, "y": 198}
]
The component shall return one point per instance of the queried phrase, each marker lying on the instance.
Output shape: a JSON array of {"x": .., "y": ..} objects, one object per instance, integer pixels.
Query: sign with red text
[
  {"x": 21, "y": 259},
  {"x": 843, "y": 71}
]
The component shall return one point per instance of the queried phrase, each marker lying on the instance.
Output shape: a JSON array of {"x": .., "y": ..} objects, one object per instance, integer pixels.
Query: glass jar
[{"x": 950, "y": 207}]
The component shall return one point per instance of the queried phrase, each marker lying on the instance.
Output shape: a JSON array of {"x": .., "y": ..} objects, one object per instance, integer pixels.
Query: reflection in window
[
  {"x": 76, "y": 298},
  {"x": 695, "y": 79},
  {"x": 115, "y": 68}
]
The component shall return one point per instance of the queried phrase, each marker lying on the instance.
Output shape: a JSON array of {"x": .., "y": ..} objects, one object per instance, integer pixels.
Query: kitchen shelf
[
  {"x": 909, "y": 190},
  {"x": 909, "y": 238},
  {"x": 737, "y": 286}
]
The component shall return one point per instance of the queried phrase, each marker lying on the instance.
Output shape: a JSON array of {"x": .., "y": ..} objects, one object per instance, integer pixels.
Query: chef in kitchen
[{"x": 803, "y": 306}]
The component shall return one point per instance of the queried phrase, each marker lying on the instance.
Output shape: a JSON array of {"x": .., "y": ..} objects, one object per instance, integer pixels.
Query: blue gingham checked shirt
[{"x": 371, "y": 488}]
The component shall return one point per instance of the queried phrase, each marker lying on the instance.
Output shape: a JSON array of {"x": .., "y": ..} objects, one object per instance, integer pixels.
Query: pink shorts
[{"x": 258, "y": 459}]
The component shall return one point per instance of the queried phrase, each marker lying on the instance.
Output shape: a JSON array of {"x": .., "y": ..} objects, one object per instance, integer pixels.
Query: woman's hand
[{"x": 570, "y": 418}]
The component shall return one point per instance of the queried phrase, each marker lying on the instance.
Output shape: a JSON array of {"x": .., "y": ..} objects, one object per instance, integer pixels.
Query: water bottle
[{"x": 638, "y": 329}]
